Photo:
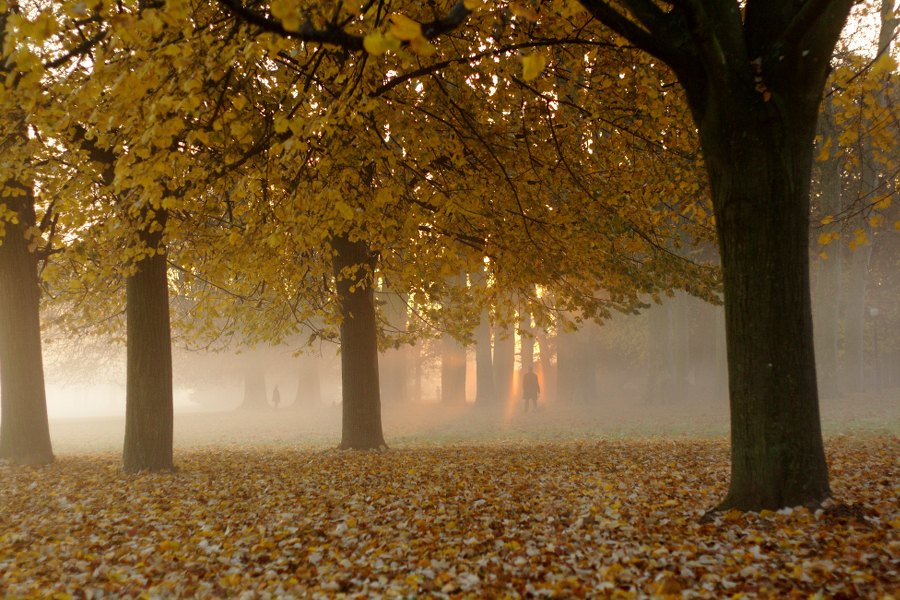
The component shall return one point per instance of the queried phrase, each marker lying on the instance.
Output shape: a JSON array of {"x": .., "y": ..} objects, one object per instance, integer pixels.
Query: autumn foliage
[{"x": 591, "y": 518}]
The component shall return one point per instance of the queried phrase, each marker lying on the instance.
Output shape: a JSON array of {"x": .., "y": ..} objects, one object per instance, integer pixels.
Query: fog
[{"x": 624, "y": 379}]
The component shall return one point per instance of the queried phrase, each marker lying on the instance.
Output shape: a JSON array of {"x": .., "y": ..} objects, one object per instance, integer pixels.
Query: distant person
[
  {"x": 531, "y": 389},
  {"x": 276, "y": 397}
]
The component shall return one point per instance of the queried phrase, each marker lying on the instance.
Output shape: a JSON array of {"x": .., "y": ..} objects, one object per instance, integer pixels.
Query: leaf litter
[{"x": 600, "y": 519}]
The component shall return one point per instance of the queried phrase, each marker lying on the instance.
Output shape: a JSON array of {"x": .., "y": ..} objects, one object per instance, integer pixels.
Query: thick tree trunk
[
  {"x": 24, "y": 431},
  {"x": 760, "y": 183},
  {"x": 484, "y": 366},
  {"x": 361, "y": 407},
  {"x": 148, "y": 390}
]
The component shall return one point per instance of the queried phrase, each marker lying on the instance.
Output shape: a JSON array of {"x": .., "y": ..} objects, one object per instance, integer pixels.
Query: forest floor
[{"x": 559, "y": 503}]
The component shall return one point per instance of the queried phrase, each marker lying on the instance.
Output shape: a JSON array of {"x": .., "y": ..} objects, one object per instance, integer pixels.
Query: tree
[
  {"x": 24, "y": 430},
  {"x": 149, "y": 410},
  {"x": 354, "y": 265}
]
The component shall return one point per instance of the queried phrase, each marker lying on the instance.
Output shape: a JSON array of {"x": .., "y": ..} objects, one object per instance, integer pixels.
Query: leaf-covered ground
[{"x": 492, "y": 519}]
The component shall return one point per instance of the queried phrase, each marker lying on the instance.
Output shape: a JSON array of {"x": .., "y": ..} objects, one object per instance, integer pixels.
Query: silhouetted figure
[
  {"x": 276, "y": 397},
  {"x": 531, "y": 389}
]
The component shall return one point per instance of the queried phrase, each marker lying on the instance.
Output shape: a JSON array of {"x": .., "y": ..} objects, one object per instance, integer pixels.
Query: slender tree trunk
[
  {"x": 566, "y": 372},
  {"x": 484, "y": 366},
  {"x": 504, "y": 364},
  {"x": 453, "y": 371},
  {"x": 681, "y": 345},
  {"x": 24, "y": 430},
  {"x": 309, "y": 385},
  {"x": 394, "y": 375},
  {"x": 256, "y": 397},
  {"x": 148, "y": 390},
  {"x": 548, "y": 385},
  {"x": 361, "y": 405},
  {"x": 720, "y": 378},
  {"x": 778, "y": 457},
  {"x": 661, "y": 381},
  {"x": 526, "y": 341},
  {"x": 828, "y": 288}
]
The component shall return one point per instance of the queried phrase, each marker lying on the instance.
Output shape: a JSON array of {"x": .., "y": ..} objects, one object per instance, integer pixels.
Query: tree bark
[
  {"x": 24, "y": 430},
  {"x": 148, "y": 390},
  {"x": 361, "y": 405},
  {"x": 759, "y": 168}
]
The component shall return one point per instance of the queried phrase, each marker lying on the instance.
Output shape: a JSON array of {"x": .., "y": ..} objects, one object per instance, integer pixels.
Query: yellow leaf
[
  {"x": 883, "y": 204},
  {"x": 378, "y": 43},
  {"x": 885, "y": 62},
  {"x": 404, "y": 28},
  {"x": 825, "y": 238},
  {"x": 473, "y": 4},
  {"x": 822, "y": 255},
  {"x": 422, "y": 47},
  {"x": 532, "y": 65},
  {"x": 827, "y": 220},
  {"x": 520, "y": 10}
]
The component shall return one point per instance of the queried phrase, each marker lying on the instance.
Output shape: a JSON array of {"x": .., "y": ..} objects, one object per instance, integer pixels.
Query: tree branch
[
  {"x": 648, "y": 39},
  {"x": 306, "y": 33},
  {"x": 803, "y": 21}
]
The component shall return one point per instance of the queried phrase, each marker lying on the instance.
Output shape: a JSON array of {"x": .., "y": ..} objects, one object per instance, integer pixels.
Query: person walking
[
  {"x": 276, "y": 397},
  {"x": 531, "y": 389}
]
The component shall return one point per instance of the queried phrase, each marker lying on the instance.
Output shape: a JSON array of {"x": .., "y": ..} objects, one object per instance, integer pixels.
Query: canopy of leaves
[{"x": 564, "y": 157}]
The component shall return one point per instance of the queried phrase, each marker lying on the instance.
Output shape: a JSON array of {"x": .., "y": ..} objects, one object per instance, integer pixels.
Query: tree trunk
[
  {"x": 255, "y": 395},
  {"x": 828, "y": 280},
  {"x": 526, "y": 341},
  {"x": 566, "y": 372},
  {"x": 660, "y": 379},
  {"x": 453, "y": 371},
  {"x": 309, "y": 384},
  {"x": 148, "y": 390},
  {"x": 504, "y": 364},
  {"x": 484, "y": 366},
  {"x": 24, "y": 430},
  {"x": 759, "y": 175},
  {"x": 393, "y": 363},
  {"x": 548, "y": 374},
  {"x": 361, "y": 405}
]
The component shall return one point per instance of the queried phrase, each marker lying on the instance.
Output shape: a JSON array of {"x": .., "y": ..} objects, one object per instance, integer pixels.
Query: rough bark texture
[
  {"x": 24, "y": 431},
  {"x": 361, "y": 406},
  {"x": 778, "y": 457},
  {"x": 148, "y": 390}
]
